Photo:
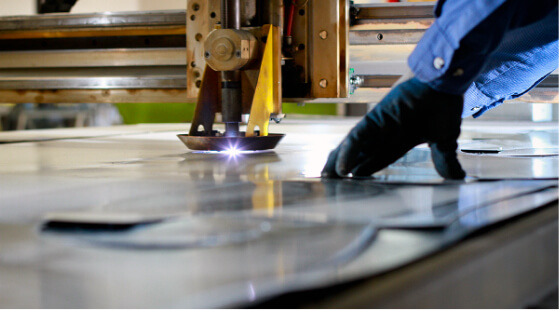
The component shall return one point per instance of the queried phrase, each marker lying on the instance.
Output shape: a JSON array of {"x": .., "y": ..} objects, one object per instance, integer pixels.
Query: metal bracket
[{"x": 207, "y": 104}]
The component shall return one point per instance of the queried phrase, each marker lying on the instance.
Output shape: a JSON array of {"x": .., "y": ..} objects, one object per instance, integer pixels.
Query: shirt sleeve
[
  {"x": 454, "y": 50},
  {"x": 525, "y": 57}
]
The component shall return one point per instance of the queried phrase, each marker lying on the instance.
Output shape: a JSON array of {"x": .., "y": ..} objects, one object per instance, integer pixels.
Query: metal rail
[
  {"x": 388, "y": 36},
  {"x": 106, "y": 19},
  {"x": 394, "y": 11},
  {"x": 125, "y": 82},
  {"x": 415, "y": 11},
  {"x": 112, "y": 57}
]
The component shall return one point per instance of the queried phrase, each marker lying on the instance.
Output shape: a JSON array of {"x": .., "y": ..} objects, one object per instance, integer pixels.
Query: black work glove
[{"x": 411, "y": 113}]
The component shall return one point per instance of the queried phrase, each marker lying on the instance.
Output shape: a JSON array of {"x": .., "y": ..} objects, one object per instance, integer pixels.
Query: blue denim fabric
[
  {"x": 525, "y": 57},
  {"x": 488, "y": 50}
]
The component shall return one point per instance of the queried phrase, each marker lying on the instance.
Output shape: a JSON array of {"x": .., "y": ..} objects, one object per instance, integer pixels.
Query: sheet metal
[{"x": 237, "y": 228}]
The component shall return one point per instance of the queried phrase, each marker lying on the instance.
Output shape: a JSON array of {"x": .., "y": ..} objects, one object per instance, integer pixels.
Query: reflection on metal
[
  {"x": 180, "y": 234},
  {"x": 268, "y": 194},
  {"x": 401, "y": 205},
  {"x": 530, "y": 152},
  {"x": 414, "y": 179},
  {"x": 501, "y": 210}
]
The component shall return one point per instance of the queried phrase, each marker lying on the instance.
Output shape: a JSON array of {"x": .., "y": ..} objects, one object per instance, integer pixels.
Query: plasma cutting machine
[{"x": 237, "y": 64}]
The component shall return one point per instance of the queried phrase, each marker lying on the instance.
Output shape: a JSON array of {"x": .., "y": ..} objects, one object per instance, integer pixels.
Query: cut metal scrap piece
[{"x": 240, "y": 143}]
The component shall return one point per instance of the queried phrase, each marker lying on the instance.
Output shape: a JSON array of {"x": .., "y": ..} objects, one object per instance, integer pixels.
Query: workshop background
[{"x": 37, "y": 116}]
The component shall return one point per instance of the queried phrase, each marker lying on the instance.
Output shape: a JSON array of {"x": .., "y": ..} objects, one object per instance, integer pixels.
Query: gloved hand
[{"x": 411, "y": 113}]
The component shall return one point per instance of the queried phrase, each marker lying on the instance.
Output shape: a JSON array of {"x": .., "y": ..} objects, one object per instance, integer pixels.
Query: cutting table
[{"x": 151, "y": 224}]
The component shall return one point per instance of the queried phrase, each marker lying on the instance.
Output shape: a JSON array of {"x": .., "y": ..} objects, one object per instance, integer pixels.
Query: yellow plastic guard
[{"x": 264, "y": 99}]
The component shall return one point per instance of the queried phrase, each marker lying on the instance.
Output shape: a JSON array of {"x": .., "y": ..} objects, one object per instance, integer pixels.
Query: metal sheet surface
[{"x": 238, "y": 228}]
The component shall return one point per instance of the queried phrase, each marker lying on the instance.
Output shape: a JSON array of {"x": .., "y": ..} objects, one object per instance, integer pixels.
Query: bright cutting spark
[{"x": 233, "y": 152}]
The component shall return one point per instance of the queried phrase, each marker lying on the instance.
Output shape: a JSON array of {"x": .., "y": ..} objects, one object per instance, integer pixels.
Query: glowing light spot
[{"x": 233, "y": 152}]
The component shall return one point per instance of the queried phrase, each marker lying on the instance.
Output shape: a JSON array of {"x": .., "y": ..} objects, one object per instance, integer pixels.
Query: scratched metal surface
[{"x": 239, "y": 228}]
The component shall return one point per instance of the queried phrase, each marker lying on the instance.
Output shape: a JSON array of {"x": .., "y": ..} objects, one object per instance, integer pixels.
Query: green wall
[{"x": 184, "y": 112}]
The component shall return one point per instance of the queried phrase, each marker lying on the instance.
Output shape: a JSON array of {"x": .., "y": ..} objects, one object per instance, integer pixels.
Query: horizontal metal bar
[
  {"x": 158, "y": 23},
  {"x": 141, "y": 77},
  {"x": 379, "y": 80},
  {"x": 369, "y": 37},
  {"x": 396, "y": 23},
  {"x": 394, "y": 11},
  {"x": 95, "y": 96},
  {"x": 95, "y": 83},
  {"x": 93, "y": 58},
  {"x": 373, "y": 88},
  {"x": 397, "y": 12},
  {"x": 546, "y": 87},
  {"x": 106, "y": 19},
  {"x": 93, "y": 43},
  {"x": 367, "y": 95},
  {"x": 178, "y": 95}
]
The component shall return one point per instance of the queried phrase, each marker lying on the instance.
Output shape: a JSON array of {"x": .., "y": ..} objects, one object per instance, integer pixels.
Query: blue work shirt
[{"x": 488, "y": 50}]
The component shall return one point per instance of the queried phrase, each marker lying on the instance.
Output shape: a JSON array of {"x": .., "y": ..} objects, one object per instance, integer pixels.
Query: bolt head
[
  {"x": 323, "y": 83},
  {"x": 323, "y": 34}
]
